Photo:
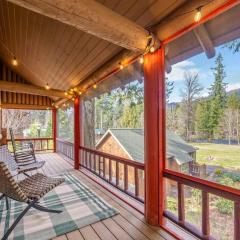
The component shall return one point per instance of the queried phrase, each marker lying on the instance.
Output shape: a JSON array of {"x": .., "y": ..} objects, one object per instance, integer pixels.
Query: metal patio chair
[
  {"x": 29, "y": 191},
  {"x": 24, "y": 156}
]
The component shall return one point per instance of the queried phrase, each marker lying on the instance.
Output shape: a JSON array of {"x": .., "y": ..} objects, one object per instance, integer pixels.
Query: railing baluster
[
  {"x": 125, "y": 177},
  {"x": 136, "y": 182},
  {"x": 236, "y": 220},
  {"x": 181, "y": 206},
  {"x": 94, "y": 162},
  {"x": 90, "y": 161},
  {"x": 117, "y": 173},
  {"x": 205, "y": 215},
  {"x": 104, "y": 170},
  {"x": 99, "y": 165},
  {"x": 110, "y": 170}
]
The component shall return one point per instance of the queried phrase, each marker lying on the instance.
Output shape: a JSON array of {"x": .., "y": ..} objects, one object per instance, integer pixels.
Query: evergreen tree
[{"x": 218, "y": 94}]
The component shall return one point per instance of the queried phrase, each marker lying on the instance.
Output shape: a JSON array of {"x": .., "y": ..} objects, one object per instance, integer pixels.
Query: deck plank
[
  {"x": 89, "y": 234},
  {"x": 118, "y": 232},
  {"x": 75, "y": 235},
  {"x": 103, "y": 231}
]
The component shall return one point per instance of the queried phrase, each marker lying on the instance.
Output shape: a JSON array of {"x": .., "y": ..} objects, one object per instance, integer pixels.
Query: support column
[
  {"x": 155, "y": 144},
  {"x": 76, "y": 133},
  {"x": 54, "y": 128}
]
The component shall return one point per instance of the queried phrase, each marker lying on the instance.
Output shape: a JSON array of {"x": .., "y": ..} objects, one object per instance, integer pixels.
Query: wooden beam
[
  {"x": 24, "y": 106},
  {"x": 205, "y": 41},
  {"x": 54, "y": 128},
  {"x": 30, "y": 89},
  {"x": 93, "y": 18},
  {"x": 155, "y": 136},
  {"x": 76, "y": 132}
]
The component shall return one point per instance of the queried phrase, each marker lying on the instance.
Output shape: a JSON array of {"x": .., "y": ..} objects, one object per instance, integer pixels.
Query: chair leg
[
  {"x": 43, "y": 209},
  {"x": 2, "y": 196},
  {"x": 7, "y": 203},
  {"x": 6, "y": 235}
]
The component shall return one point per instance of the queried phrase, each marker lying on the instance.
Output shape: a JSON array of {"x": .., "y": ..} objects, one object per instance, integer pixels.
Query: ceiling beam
[
  {"x": 94, "y": 18},
  {"x": 30, "y": 89},
  {"x": 205, "y": 41}
]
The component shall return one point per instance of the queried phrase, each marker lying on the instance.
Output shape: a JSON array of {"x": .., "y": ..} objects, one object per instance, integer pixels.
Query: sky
[{"x": 203, "y": 66}]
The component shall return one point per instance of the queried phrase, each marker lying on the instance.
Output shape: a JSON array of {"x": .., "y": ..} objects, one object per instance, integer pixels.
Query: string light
[
  {"x": 141, "y": 60},
  {"x": 14, "y": 61},
  {"x": 75, "y": 89},
  {"x": 47, "y": 87},
  {"x": 66, "y": 93},
  {"x": 80, "y": 93},
  {"x": 121, "y": 66},
  {"x": 94, "y": 85},
  {"x": 64, "y": 104},
  {"x": 152, "y": 49},
  {"x": 198, "y": 15}
]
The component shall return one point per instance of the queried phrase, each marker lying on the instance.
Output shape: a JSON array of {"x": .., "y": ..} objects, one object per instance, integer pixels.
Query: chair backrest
[
  {"x": 7, "y": 158},
  {"x": 9, "y": 186},
  {"x": 12, "y": 139}
]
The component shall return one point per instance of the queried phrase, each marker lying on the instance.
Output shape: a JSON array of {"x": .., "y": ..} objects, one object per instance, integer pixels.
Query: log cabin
[{"x": 53, "y": 52}]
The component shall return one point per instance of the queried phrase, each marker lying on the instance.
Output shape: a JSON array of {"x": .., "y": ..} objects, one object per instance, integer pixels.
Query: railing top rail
[
  {"x": 64, "y": 141},
  {"x": 205, "y": 185},
  {"x": 115, "y": 158},
  {"x": 30, "y": 138}
]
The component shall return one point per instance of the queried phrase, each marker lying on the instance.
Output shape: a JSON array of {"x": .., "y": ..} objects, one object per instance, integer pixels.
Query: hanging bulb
[
  {"x": 64, "y": 104},
  {"x": 152, "y": 49},
  {"x": 141, "y": 60},
  {"x": 94, "y": 85},
  {"x": 121, "y": 66},
  {"x": 47, "y": 87},
  {"x": 198, "y": 15},
  {"x": 80, "y": 93},
  {"x": 75, "y": 89},
  {"x": 65, "y": 93},
  {"x": 14, "y": 61}
]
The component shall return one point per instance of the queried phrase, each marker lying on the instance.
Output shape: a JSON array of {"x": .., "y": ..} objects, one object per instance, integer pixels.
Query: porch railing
[
  {"x": 39, "y": 144},
  {"x": 206, "y": 189},
  {"x": 128, "y": 176},
  {"x": 124, "y": 174},
  {"x": 65, "y": 147}
]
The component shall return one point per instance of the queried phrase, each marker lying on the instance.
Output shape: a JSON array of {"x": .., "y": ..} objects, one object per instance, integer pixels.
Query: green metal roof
[{"x": 132, "y": 141}]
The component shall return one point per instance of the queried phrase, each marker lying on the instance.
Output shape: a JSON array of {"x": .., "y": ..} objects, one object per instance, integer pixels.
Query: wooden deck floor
[{"x": 127, "y": 225}]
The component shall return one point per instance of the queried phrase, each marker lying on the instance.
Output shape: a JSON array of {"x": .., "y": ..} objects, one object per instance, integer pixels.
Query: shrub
[
  {"x": 224, "y": 206},
  {"x": 218, "y": 171},
  {"x": 171, "y": 204}
]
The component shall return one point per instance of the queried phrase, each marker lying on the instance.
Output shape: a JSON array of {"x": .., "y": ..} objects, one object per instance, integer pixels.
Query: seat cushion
[{"x": 36, "y": 186}]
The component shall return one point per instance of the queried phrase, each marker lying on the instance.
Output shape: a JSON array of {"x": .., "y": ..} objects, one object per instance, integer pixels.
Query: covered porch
[{"x": 62, "y": 57}]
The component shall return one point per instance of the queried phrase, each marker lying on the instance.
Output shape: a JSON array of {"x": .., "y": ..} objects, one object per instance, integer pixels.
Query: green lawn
[{"x": 226, "y": 156}]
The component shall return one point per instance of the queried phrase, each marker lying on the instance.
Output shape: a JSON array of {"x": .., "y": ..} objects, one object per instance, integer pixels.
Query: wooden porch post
[
  {"x": 76, "y": 133},
  {"x": 54, "y": 128},
  {"x": 155, "y": 144}
]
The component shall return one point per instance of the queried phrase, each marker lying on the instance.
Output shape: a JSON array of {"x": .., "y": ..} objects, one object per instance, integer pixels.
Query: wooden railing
[
  {"x": 39, "y": 144},
  {"x": 206, "y": 188},
  {"x": 124, "y": 174},
  {"x": 65, "y": 147}
]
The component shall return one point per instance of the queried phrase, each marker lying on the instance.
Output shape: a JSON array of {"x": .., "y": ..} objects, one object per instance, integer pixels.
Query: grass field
[{"x": 227, "y": 156}]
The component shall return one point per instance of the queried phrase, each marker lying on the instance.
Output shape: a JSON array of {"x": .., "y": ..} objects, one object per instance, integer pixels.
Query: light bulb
[
  {"x": 152, "y": 49},
  {"x": 198, "y": 15},
  {"x": 121, "y": 66},
  {"x": 141, "y": 60},
  {"x": 47, "y": 87},
  {"x": 14, "y": 61},
  {"x": 65, "y": 93},
  {"x": 95, "y": 86},
  {"x": 80, "y": 93},
  {"x": 75, "y": 89}
]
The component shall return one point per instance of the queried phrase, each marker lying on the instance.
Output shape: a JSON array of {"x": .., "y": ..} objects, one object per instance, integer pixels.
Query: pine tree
[{"x": 218, "y": 94}]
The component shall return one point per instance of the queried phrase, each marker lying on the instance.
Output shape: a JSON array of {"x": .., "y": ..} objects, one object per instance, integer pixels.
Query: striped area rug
[{"x": 79, "y": 204}]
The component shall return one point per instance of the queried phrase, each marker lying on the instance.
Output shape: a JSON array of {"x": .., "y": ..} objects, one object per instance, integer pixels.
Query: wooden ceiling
[{"x": 51, "y": 52}]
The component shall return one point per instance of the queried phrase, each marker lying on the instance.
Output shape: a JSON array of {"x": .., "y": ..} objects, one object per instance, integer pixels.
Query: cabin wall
[{"x": 20, "y": 100}]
